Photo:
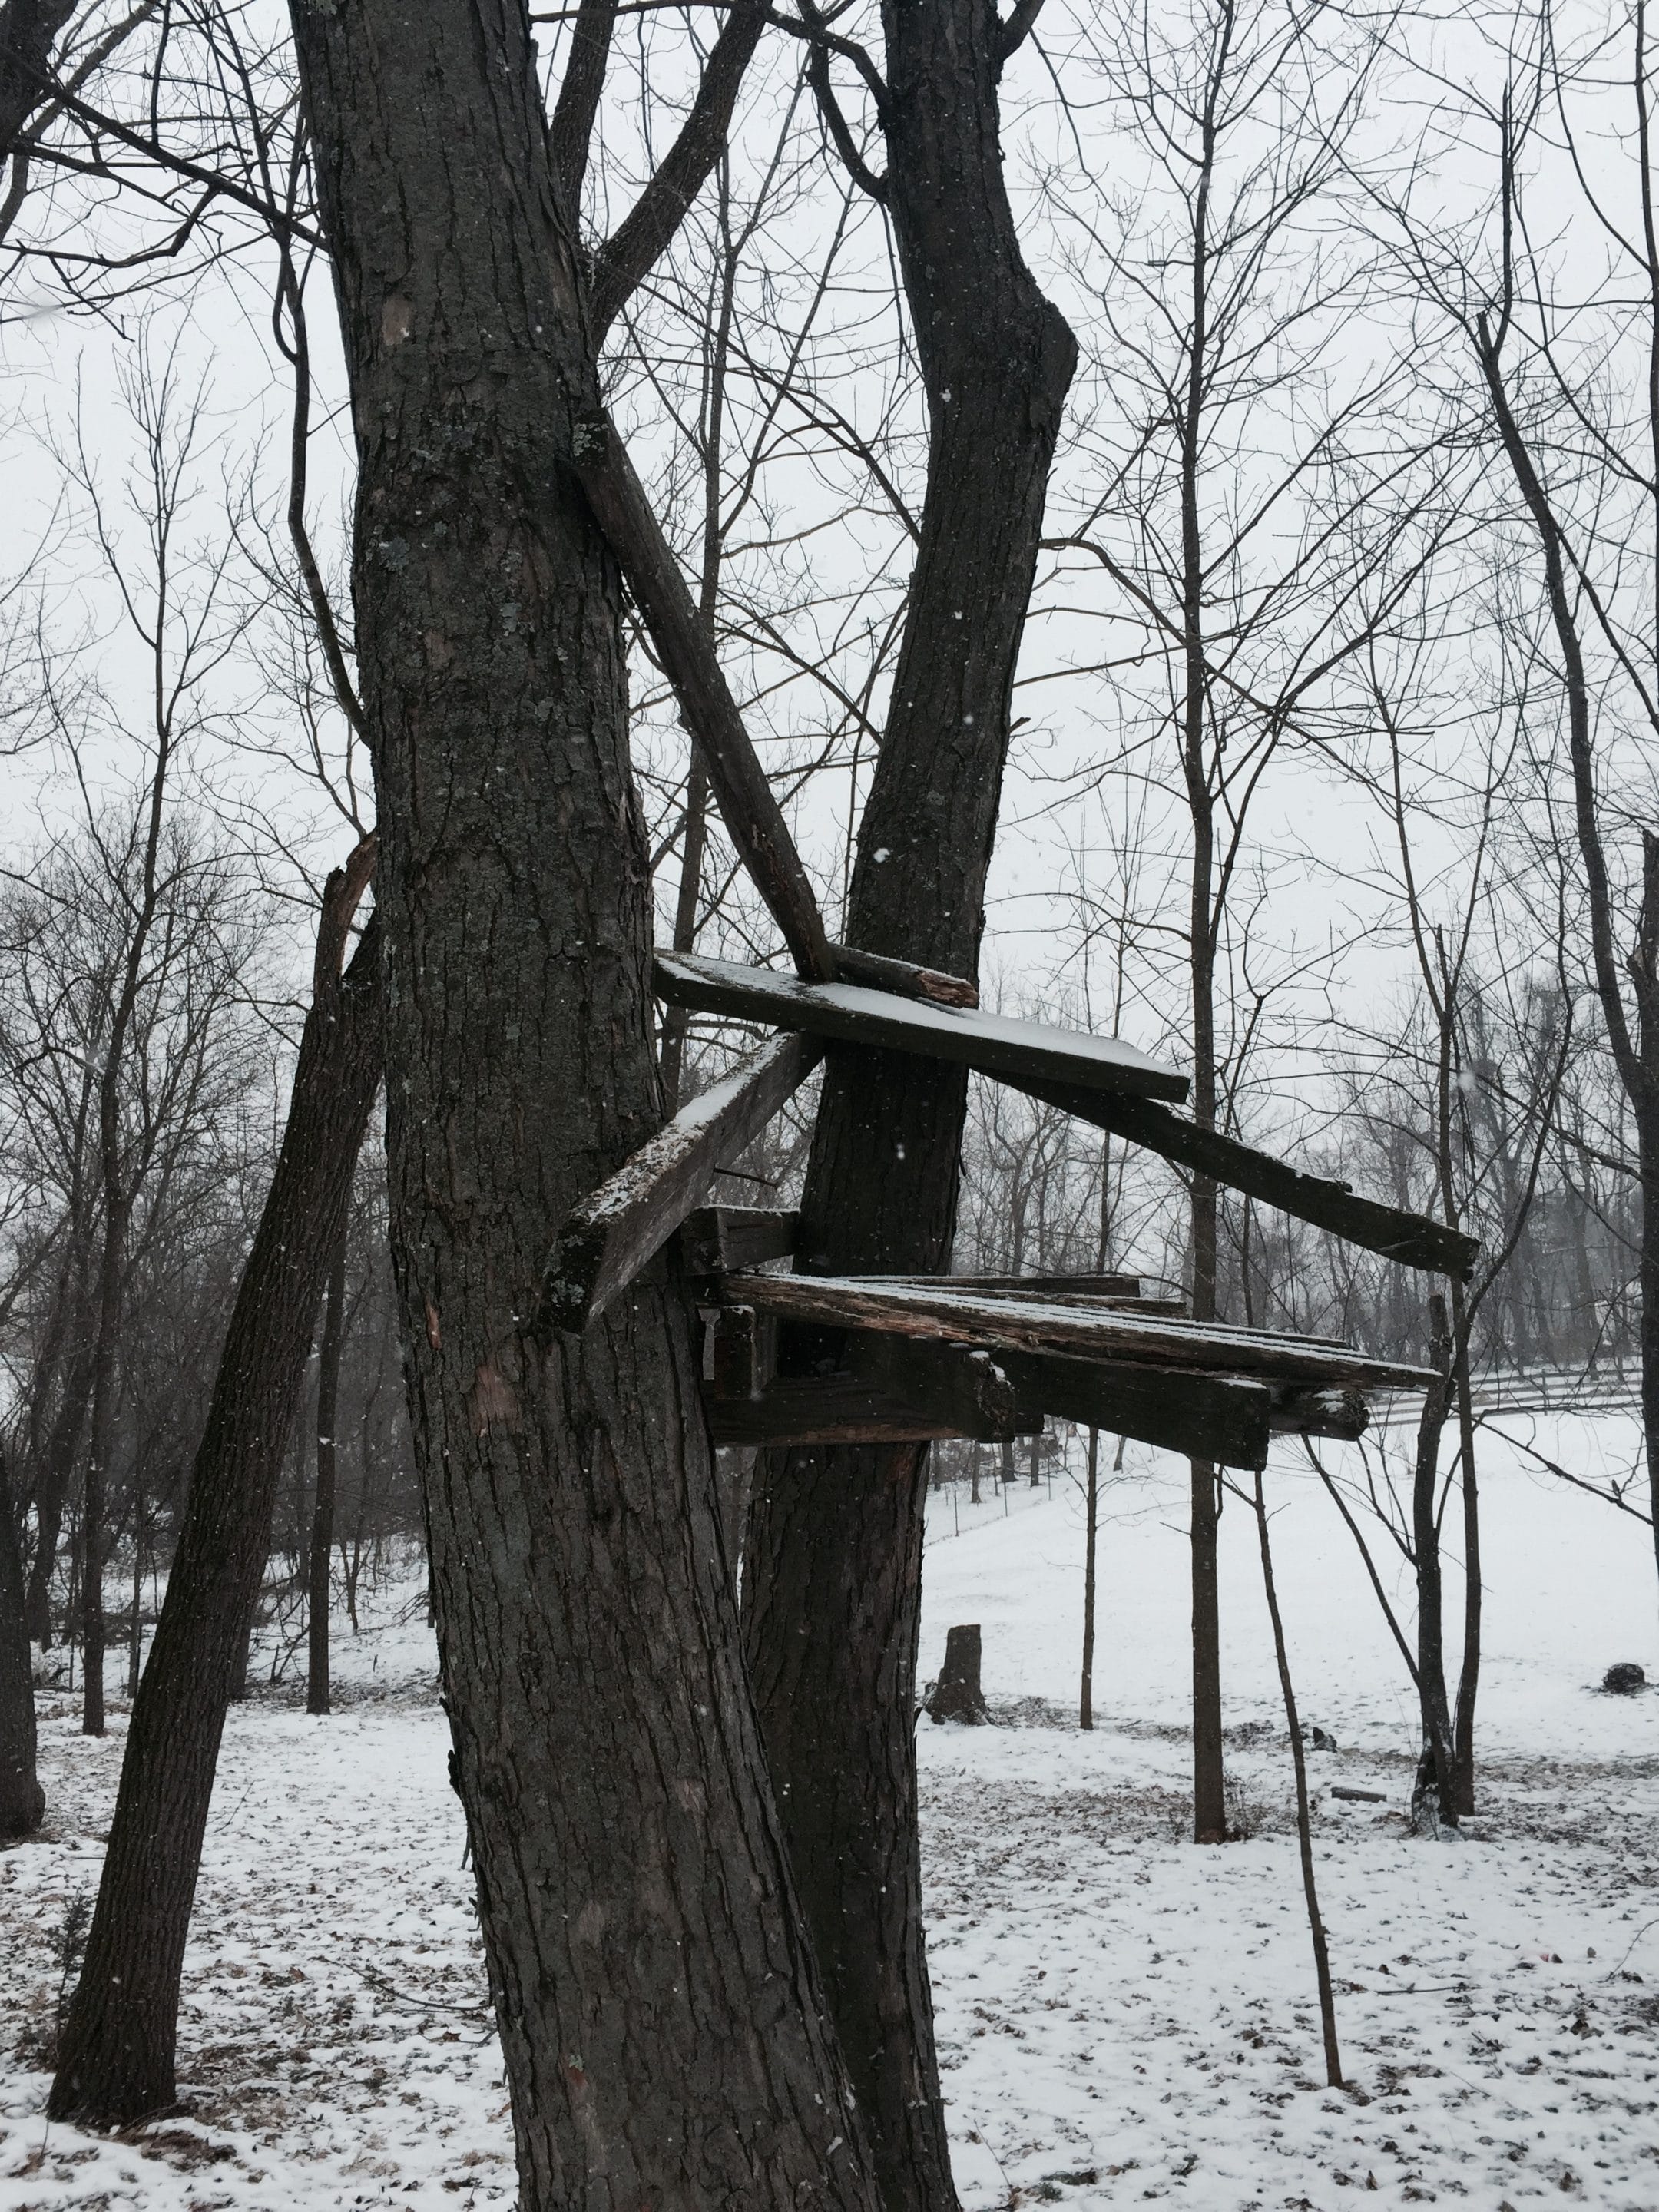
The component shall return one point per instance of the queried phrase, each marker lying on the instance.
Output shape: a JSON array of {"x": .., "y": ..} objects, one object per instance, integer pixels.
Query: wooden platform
[
  {"x": 1090, "y": 1328},
  {"x": 852, "y": 1015}
]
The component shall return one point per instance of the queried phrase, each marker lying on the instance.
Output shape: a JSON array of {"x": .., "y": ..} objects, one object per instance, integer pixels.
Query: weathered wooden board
[
  {"x": 1410, "y": 1238},
  {"x": 1087, "y": 1330},
  {"x": 1028, "y": 1286},
  {"x": 852, "y": 1015},
  {"x": 1225, "y": 1418},
  {"x": 893, "y": 1391},
  {"x": 605, "y": 1241},
  {"x": 718, "y": 1240}
]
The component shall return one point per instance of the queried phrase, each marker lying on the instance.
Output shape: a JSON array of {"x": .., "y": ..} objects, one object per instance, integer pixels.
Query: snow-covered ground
[{"x": 1122, "y": 2016}]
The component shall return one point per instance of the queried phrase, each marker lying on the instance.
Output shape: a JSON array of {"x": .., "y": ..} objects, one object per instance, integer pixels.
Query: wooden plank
[
  {"x": 718, "y": 1240},
  {"x": 1071, "y": 1286},
  {"x": 852, "y": 1015},
  {"x": 605, "y": 1241},
  {"x": 1225, "y": 1418},
  {"x": 1042, "y": 1290},
  {"x": 906, "y": 1392},
  {"x": 1087, "y": 1330},
  {"x": 1412, "y": 1239}
]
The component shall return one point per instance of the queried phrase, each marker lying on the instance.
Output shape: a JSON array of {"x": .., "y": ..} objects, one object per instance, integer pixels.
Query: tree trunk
[
  {"x": 117, "y": 2058},
  {"x": 836, "y": 1533},
  {"x": 318, "y": 1578},
  {"x": 1468, "y": 1673},
  {"x": 57, "y": 1467},
  {"x": 957, "y": 1695},
  {"x": 1085, "y": 1708},
  {"x": 1434, "y": 1798},
  {"x": 662, "y": 2026},
  {"x": 22, "y": 1801}
]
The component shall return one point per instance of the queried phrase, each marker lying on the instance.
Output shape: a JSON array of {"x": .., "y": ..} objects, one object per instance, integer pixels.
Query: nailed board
[
  {"x": 1224, "y": 1418},
  {"x": 603, "y": 1242},
  {"x": 717, "y": 1240},
  {"x": 852, "y": 1015},
  {"x": 1412, "y": 1239},
  {"x": 1088, "y": 1330}
]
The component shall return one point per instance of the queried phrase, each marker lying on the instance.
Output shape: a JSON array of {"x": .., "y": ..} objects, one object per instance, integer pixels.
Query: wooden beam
[
  {"x": 876, "y": 1019},
  {"x": 718, "y": 1240},
  {"x": 1412, "y": 1239},
  {"x": 1087, "y": 1330},
  {"x": 1207, "y": 1416},
  {"x": 605, "y": 1241},
  {"x": 898, "y": 1393},
  {"x": 751, "y": 814},
  {"x": 1341, "y": 1414}
]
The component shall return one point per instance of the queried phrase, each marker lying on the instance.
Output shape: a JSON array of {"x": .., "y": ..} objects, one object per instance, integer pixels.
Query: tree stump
[
  {"x": 956, "y": 1695},
  {"x": 1622, "y": 1680}
]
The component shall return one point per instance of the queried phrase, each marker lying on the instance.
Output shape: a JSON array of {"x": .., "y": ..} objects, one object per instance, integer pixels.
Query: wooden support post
[
  {"x": 750, "y": 812},
  {"x": 604, "y": 1240},
  {"x": 718, "y": 1240},
  {"x": 1412, "y": 1239},
  {"x": 852, "y": 1015},
  {"x": 753, "y": 819}
]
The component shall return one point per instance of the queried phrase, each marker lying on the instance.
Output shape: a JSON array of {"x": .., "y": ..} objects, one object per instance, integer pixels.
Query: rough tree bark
[
  {"x": 57, "y": 1466},
  {"x": 22, "y": 1801},
  {"x": 835, "y": 1533},
  {"x": 318, "y": 1577},
  {"x": 116, "y": 2062},
  {"x": 659, "y": 2011}
]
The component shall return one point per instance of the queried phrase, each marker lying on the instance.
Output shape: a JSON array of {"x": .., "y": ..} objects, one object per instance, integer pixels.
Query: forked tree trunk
[
  {"x": 662, "y": 2030},
  {"x": 318, "y": 1577},
  {"x": 22, "y": 1801},
  {"x": 834, "y": 1534},
  {"x": 117, "y": 2056}
]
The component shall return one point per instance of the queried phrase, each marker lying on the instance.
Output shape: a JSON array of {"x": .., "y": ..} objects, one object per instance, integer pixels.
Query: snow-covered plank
[
  {"x": 1087, "y": 1329},
  {"x": 1412, "y": 1239},
  {"x": 852, "y": 1015},
  {"x": 604, "y": 1240}
]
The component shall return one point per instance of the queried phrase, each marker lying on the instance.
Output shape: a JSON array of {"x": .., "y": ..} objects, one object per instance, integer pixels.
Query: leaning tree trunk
[
  {"x": 22, "y": 1801},
  {"x": 660, "y": 2019},
  {"x": 833, "y": 1564},
  {"x": 317, "y": 1575},
  {"x": 116, "y": 2062}
]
